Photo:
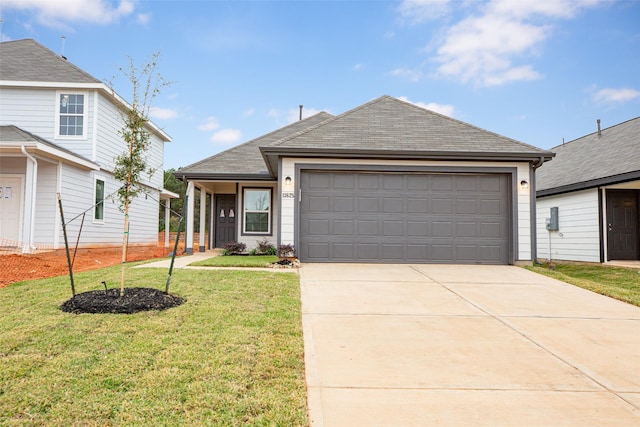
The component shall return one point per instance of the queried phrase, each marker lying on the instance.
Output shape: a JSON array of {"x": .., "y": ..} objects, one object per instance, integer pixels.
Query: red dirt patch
[{"x": 17, "y": 268}]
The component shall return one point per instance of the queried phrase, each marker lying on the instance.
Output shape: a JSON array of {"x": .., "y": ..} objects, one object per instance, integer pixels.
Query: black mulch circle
[{"x": 109, "y": 301}]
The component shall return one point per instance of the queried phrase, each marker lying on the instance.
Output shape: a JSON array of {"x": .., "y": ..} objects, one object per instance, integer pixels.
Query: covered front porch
[{"x": 222, "y": 211}]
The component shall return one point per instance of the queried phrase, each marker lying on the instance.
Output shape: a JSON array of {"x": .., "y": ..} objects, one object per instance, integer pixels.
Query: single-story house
[
  {"x": 593, "y": 189},
  {"x": 385, "y": 182}
]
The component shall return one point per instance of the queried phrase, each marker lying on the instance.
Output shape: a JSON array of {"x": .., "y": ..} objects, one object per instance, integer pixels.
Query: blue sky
[{"x": 534, "y": 70}]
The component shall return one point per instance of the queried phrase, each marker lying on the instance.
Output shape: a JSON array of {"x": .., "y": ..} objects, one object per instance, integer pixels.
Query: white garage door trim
[{"x": 510, "y": 172}]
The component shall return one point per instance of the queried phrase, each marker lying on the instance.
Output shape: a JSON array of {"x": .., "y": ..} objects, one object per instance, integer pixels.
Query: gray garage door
[{"x": 404, "y": 218}]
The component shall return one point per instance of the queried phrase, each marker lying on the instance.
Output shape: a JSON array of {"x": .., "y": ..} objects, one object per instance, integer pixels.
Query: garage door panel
[
  {"x": 417, "y": 228},
  {"x": 391, "y": 205},
  {"x": 368, "y": 228},
  {"x": 344, "y": 227},
  {"x": 417, "y": 206},
  {"x": 421, "y": 218},
  {"x": 368, "y": 205},
  {"x": 393, "y": 228},
  {"x": 368, "y": 181},
  {"x": 344, "y": 204},
  {"x": 319, "y": 204}
]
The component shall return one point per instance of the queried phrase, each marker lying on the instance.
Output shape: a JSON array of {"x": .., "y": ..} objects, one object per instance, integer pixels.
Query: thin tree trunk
[{"x": 125, "y": 244}]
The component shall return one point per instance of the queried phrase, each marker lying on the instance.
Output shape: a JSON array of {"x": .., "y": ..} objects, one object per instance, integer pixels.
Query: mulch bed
[{"x": 109, "y": 301}]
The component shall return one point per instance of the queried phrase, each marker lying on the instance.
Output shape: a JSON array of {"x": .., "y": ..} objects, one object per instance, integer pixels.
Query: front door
[
  {"x": 623, "y": 225},
  {"x": 10, "y": 206},
  {"x": 226, "y": 213}
]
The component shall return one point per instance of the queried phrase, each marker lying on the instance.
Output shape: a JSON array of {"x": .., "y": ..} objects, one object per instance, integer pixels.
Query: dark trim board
[{"x": 509, "y": 172}]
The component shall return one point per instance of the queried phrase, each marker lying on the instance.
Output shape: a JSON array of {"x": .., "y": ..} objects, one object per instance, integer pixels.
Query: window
[
  {"x": 71, "y": 114},
  {"x": 257, "y": 211},
  {"x": 98, "y": 210}
]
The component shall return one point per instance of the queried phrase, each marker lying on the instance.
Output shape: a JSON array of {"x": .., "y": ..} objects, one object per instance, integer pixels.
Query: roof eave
[
  {"x": 271, "y": 155},
  {"x": 593, "y": 183},
  {"x": 207, "y": 176},
  {"x": 40, "y": 149}
]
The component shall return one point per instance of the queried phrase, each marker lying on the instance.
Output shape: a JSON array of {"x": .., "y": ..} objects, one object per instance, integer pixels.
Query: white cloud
[
  {"x": 358, "y": 67},
  {"x": 226, "y": 136},
  {"x": 56, "y": 13},
  {"x": 210, "y": 123},
  {"x": 249, "y": 112},
  {"x": 162, "y": 113},
  {"x": 406, "y": 73},
  {"x": 483, "y": 48},
  {"x": 443, "y": 109},
  {"x": 610, "y": 95},
  {"x": 416, "y": 11},
  {"x": 144, "y": 18}
]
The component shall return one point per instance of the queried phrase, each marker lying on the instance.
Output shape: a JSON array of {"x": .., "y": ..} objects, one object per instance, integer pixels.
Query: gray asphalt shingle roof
[
  {"x": 593, "y": 157},
  {"x": 387, "y": 123},
  {"x": 31, "y": 61},
  {"x": 11, "y": 136},
  {"x": 384, "y": 126},
  {"x": 245, "y": 159}
]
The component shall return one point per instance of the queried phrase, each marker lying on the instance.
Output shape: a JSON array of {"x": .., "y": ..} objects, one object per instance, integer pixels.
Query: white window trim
[
  {"x": 84, "y": 115},
  {"x": 244, "y": 211},
  {"x": 104, "y": 199}
]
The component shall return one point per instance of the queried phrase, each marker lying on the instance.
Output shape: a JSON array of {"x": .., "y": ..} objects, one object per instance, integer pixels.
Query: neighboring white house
[
  {"x": 59, "y": 134},
  {"x": 385, "y": 182},
  {"x": 593, "y": 188}
]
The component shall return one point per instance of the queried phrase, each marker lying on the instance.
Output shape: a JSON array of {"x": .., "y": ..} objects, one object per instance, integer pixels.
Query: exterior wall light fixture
[
  {"x": 524, "y": 184},
  {"x": 287, "y": 181}
]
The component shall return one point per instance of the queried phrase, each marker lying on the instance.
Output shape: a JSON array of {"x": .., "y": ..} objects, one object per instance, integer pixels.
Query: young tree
[{"x": 132, "y": 163}]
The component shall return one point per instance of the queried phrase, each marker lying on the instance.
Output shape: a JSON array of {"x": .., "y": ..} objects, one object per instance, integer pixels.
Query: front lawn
[
  {"x": 232, "y": 354},
  {"x": 616, "y": 282},
  {"x": 238, "y": 261}
]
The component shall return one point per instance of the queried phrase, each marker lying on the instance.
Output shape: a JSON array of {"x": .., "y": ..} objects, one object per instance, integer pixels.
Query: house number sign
[{"x": 288, "y": 195}]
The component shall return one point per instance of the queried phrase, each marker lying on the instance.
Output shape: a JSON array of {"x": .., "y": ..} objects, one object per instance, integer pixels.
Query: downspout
[{"x": 34, "y": 188}]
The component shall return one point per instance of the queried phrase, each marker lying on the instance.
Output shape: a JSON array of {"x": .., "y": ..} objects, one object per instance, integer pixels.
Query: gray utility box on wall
[{"x": 553, "y": 224}]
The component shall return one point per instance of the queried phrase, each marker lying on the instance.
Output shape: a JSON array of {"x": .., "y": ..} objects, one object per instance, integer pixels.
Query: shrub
[
  {"x": 285, "y": 251},
  {"x": 233, "y": 248},
  {"x": 265, "y": 247}
]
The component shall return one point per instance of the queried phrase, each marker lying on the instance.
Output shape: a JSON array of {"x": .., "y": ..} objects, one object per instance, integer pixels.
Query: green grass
[
  {"x": 232, "y": 354},
  {"x": 616, "y": 282},
  {"x": 238, "y": 261}
]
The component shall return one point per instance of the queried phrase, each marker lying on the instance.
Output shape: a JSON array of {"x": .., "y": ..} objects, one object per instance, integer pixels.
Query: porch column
[
  {"x": 188, "y": 232},
  {"x": 167, "y": 222},
  {"x": 203, "y": 216}
]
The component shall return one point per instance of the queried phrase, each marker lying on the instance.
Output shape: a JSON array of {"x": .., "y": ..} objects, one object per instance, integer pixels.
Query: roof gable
[
  {"x": 593, "y": 159},
  {"x": 32, "y": 62}
]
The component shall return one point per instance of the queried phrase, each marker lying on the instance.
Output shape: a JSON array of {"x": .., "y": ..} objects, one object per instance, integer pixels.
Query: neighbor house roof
[
  {"x": 244, "y": 161},
  {"x": 609, "y": 157},
  {"x": 32, "y": 62},
  {"x": 390, "y": 128},
  {"x": 13, "y": 139}
]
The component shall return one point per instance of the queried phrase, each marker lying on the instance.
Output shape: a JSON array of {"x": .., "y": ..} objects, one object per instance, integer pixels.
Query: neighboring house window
[
  {"x": 98, "y": 212},
  {"x": 71, "y": 114},
  {"x": 257, "y": 211}
]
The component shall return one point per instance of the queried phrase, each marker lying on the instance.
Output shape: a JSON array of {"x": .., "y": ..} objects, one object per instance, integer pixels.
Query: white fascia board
[
  {"x": 62, "y": 155},
  {"x": 99, "y": 86}
]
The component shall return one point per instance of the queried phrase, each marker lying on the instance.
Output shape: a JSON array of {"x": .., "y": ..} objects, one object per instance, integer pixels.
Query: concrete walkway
[{"x": 421, "y": 345}]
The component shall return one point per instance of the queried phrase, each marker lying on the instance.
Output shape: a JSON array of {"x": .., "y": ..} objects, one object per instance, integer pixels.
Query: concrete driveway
[{"x": 416, "y": 345}]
